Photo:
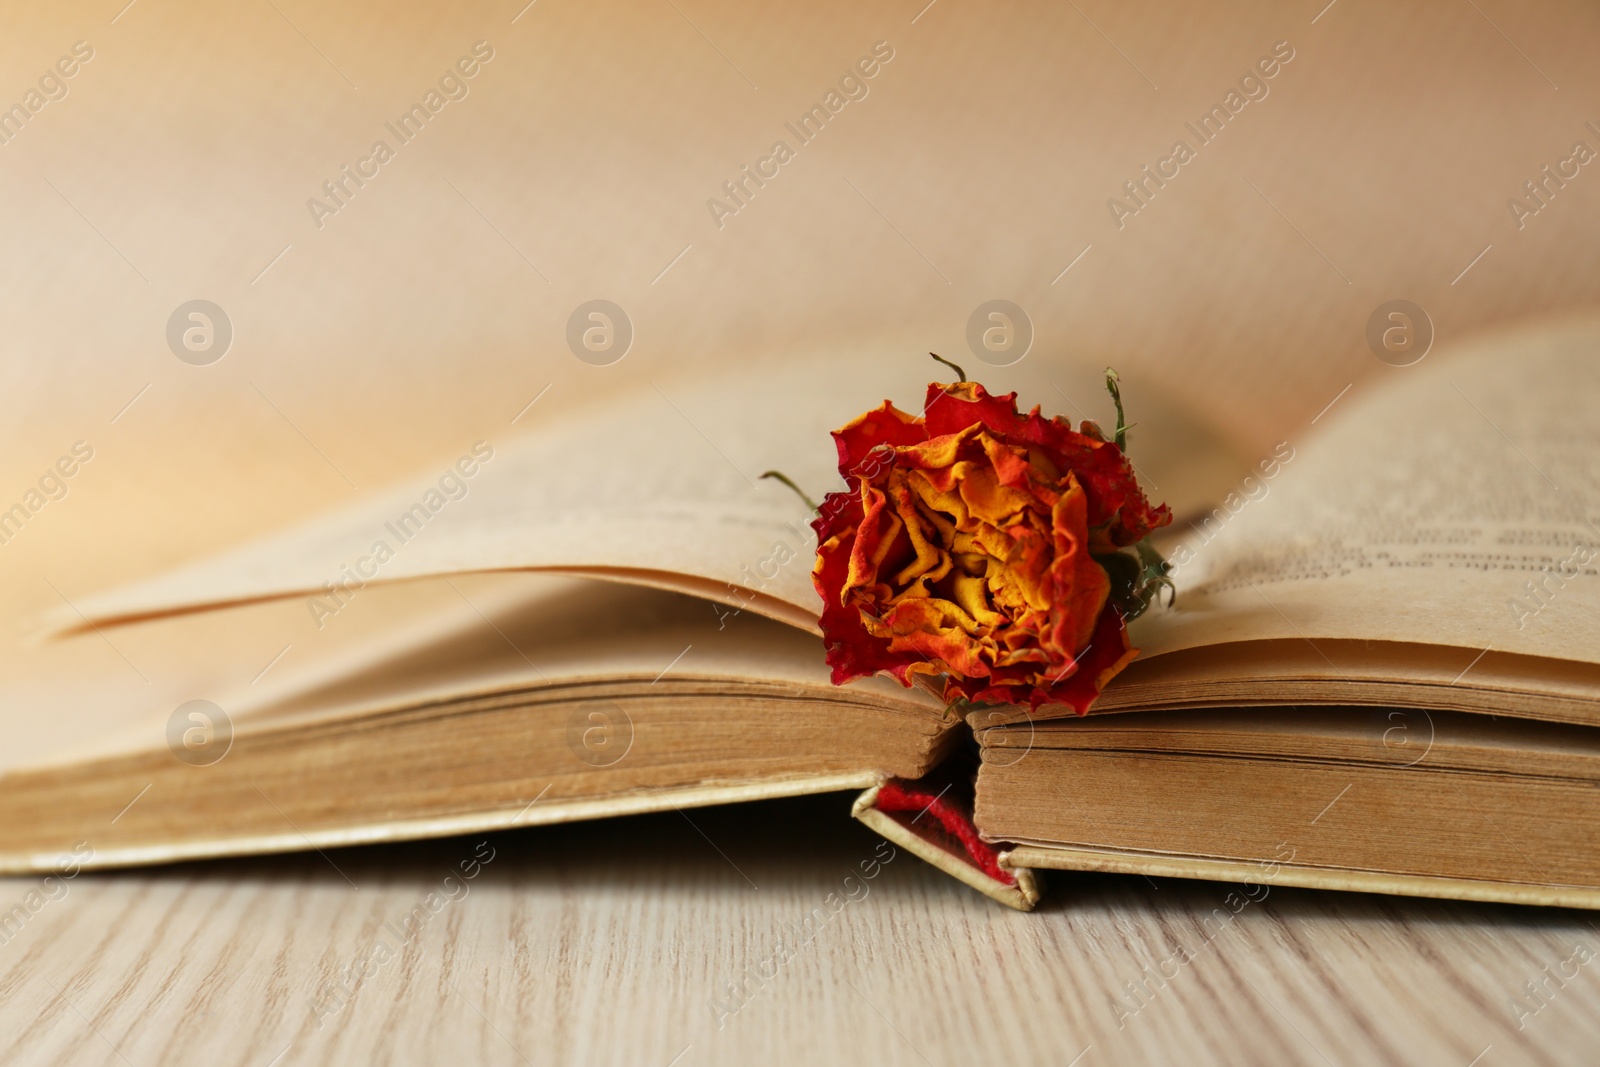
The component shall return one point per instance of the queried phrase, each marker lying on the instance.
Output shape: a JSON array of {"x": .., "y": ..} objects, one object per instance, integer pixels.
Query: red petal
[
  {"x": 885, "y": 424},
  {"x": 952, "y": 408},
  {"x": 852, "y": 651}
]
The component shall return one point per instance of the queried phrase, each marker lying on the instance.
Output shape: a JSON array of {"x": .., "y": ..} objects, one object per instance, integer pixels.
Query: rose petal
[{"x": 883, "y": 425}]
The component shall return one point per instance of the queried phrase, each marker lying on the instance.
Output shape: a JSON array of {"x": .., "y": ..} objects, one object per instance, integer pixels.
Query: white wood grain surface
[{"x": 613, "y": 942}]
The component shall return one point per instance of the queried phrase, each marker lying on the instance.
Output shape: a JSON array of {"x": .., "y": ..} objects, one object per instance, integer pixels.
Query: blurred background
[{"x": 537, "y": 158}]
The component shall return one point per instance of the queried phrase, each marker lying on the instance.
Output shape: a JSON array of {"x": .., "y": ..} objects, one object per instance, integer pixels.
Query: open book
[{"x": 1382, "y": 669}]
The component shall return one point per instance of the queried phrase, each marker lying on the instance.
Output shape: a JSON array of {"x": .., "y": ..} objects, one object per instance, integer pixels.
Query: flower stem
[
  {"x": 1113, "y": 387},
  {"x": 786, "y": 480},
  {"x": 961, "y": 375}
]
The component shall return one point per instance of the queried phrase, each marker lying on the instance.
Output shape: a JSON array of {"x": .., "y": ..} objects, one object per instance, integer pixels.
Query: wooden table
[{"x": 616, "y": 942}]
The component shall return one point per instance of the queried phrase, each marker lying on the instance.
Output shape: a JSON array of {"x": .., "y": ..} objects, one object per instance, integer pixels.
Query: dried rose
[{"x": 983, "y": 545}]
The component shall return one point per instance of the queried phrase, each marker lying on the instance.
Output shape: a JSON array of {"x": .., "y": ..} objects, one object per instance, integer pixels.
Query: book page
[
  {"x": 96, "y": 694},
  {"x": 662, "y": 487},
  {"x": 1456, "y": 504},
  {"x": 266, "y": 665}
]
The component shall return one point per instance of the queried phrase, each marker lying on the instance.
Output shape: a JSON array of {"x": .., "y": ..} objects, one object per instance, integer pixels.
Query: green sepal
[{"x": 1137, "y": 579}]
